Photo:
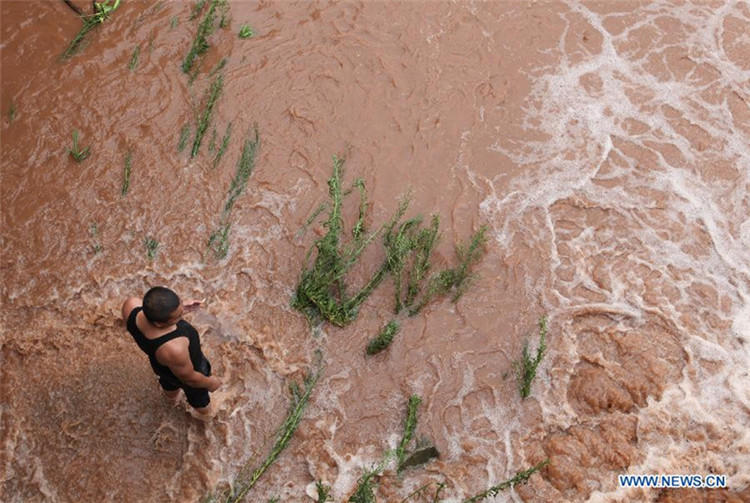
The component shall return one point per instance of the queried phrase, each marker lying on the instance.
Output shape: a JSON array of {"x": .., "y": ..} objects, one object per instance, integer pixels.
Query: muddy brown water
[{"x": 605, "y": 144}]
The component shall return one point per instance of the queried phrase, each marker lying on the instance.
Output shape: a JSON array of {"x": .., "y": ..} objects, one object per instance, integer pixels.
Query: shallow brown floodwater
[{"x": 605, "y": 144}]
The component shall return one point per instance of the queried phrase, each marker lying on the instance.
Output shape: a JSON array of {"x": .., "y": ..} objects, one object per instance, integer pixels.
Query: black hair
[{"x": 159, "y": 303}]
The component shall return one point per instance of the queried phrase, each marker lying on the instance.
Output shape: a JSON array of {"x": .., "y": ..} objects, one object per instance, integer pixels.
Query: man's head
[{"x": 162, "y": 306}]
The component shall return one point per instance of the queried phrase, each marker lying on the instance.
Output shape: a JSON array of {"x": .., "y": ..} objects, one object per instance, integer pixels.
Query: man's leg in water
[
  {"x": 173, "y": 396},
  {"x": 171, "y": 390}
]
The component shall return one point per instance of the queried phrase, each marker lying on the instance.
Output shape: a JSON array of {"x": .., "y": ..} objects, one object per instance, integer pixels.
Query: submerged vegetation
[
  {"x": 204, "y": 119},
  {"x": 224, "y": 145},
  {"x": 246, "y": 31},
  {"x": 366, "y": 484},
  {"x": 527, "y": 367},
  {"x": 384, "y": 338},
  {"x": 184, "y": 136},
  {"x": 410, "y": 425},
  {"x": 96, "y": 245},
  {"x": 205, "y": 28},
  {"x": 151, "y": 245},
  {"x": 101, "y": 14},
  {"x": 126, "y": 174},
  {"x": 134, "y": 58},
  {"x": 519, "y": 478},
  {"x": 218, "y": 242},
  {"x": 322, "y": 292},
  {"x": 77, "y": 152},
  {"x": 300, "y": 397},
  {"x": 323, "y": 491}
]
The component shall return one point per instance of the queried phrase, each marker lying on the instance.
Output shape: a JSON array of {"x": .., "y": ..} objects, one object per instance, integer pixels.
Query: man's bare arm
[{"x": 175, "y": 355}]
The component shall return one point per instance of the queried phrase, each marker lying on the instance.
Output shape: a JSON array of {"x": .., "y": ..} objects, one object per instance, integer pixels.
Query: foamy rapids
[{"x": 652, "y": 133}]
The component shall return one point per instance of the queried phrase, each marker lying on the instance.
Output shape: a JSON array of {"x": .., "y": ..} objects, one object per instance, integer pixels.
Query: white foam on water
[{"x": 587, "y": 133}]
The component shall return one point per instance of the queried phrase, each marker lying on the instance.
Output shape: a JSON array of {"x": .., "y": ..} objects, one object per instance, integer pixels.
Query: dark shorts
[{"x": 196, "y": 397}]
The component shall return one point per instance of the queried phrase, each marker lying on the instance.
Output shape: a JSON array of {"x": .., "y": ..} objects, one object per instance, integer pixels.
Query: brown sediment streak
[{"x": 604, "y": 143}]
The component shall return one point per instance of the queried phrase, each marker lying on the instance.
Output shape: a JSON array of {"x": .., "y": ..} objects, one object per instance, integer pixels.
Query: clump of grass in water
[
  {"x": 300, "y": 397},
  {"x": 321, "y": 291},
  {"x": 527, "y": 367},
  {"x": 184, "y": 136},
  {"x": 420, "y": 490},
  {"x": 76, "y": 152},
  {"x": 212, "y": 143},
  {"x": 205, "y": 28},
  {"x": 101, "y": 14},
  {"x": 324, "y": 492},
  {"x": 365, "y": 491},
  {"x": 134, "y": 58},
  {"x": 219, "y": 240},
  {"x": 384, "y": 338},
  {"x": 96, "y": 245},
  {"x": 11, "y": 113},
  {"x": 224, "y": 145},
  {"x": 245, "y": 168},
  {"x": 246, "y": 31},
  {"x": 151, "y": 245},
  {"x": 410, "y": 425},
  {"x": 457, "y": 279},
  {"x": 519, "y": 478},
  {"x": 126, "y": 174},
  {"x": 197, "y": 8},
  {"x": 205, "y": 118}
]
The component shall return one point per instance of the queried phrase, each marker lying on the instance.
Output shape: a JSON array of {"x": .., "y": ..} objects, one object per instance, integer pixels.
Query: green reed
[
  {"x": 11, "y": 113},
  {"x": 366, "y": 484},
  {"x": 96, "y": 245},
  {"x": 204, "y": 119},
  {"x": 224, "y": 145},
  {"x": 205, "y": 29},
  {"x": 527, "y": 366},
  {"x": 410, "y": 425},
  {"x": 455, "y": 280},
  {"x": 197, "y": 8},
  {"x": 212, "y": 143},
  {"x": 151, "y": 245},
  {"x": 323, "y": 491},
  {"x": 126, "y": 173},
  {"x": 76, "y": 152},
  {"x": 184, "y": 136},
  {"x": 173, "y": 22},
  {"x": 101, "y": 13},
  {"x": 321, "y": 293},
  {"x": 218, "y": 242},
  {"x": 134, "y": 58},
  {"x": 299, "y": 400},
  {"x": 246, "y": 31},
  {"x": 422, "y": 489},
  {"x": 383, "y": 339},
  {"x": 519, "y": 478}
]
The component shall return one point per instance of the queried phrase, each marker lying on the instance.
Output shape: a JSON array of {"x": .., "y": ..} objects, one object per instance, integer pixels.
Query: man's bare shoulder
[
  {"x": 128, "y": 306},
  {"x": 173, "y": 351}
]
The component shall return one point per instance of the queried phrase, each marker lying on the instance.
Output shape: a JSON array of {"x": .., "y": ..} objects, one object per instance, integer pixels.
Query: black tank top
[{"x": 149, "y": 346}]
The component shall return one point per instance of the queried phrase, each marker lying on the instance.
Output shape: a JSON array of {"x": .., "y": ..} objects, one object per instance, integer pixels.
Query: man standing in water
[{"x": 172, "y": 345}]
